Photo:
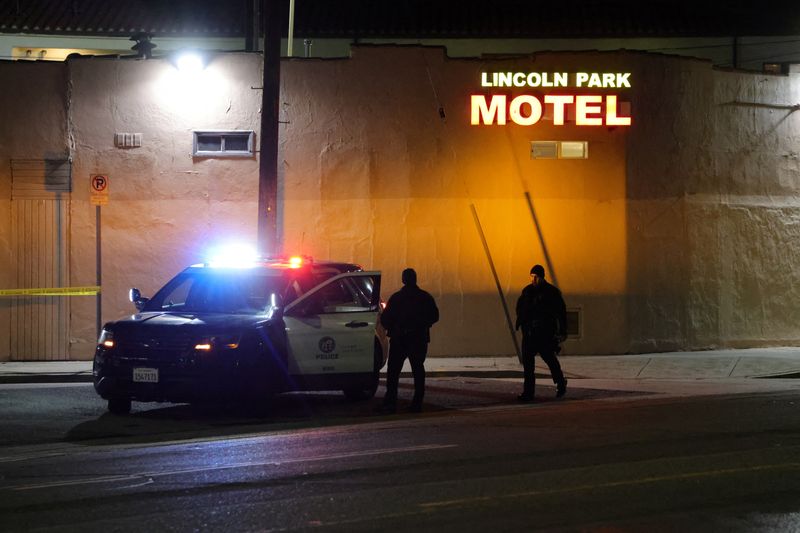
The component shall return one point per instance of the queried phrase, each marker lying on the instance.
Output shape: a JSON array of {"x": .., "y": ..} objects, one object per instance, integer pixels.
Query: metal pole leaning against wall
[
  {"x": 547, "y": 260},
  {"x": 496, "y": 281}
]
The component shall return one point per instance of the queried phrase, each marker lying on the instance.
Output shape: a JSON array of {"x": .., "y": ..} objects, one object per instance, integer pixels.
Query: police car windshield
[{"x": 223, "y": 290}]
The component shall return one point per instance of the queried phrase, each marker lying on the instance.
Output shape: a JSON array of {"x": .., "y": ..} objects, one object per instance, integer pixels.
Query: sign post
[{"x": 99, "y": 190}]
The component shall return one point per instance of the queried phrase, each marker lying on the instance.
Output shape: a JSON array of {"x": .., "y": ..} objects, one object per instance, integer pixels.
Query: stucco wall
[
  {"x": 165, "y": 207},
  {"x": 679, "y": 232},
  {"x": 744, "y": 223},
  {"x": 713, "y": 176},
  {"x": 375, "y": 175},
  {"x": 370, "y": 173},
  {"x": 32, "y": 126}
]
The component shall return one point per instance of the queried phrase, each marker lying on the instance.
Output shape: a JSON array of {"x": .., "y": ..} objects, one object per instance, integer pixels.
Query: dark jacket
[
  {"x": 410, "y": 313},
  {"x": 541, "y": 311}
]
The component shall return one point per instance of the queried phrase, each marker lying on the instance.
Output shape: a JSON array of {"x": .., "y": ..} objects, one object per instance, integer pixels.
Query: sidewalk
[{"x": 713, "y": 364}]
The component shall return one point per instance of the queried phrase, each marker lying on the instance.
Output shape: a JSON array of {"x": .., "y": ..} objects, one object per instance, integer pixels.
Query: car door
[{"x": 331, "y": 328}]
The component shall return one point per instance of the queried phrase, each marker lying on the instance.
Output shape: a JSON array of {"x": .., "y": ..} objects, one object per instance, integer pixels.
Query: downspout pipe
[{"x": 290, "y": 38}]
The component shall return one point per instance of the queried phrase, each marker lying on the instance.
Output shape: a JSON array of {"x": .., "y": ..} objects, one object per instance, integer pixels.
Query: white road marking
[
  {"x": 53, "y": 385},
  {"x": 686, "y": 476},
  {"x": 148, "y": 481},
  {"x": 145, "y": 475},
  {"x": 28, "y": 457}
]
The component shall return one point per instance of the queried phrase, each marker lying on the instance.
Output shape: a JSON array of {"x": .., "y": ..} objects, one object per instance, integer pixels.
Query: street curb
[
  {"x": 45, "y": 378},
  {"x": 87, "y": 378}
]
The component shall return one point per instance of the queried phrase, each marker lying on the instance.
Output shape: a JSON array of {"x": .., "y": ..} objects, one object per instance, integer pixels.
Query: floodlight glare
[{"x": 189, "y": 62}]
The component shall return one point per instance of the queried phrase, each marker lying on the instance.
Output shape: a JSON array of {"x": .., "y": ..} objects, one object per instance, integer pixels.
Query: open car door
[{"x": 331, "y": 328}]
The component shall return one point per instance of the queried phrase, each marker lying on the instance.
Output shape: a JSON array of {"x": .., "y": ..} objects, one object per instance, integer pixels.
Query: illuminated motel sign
[{"x": 528, "y": 109}]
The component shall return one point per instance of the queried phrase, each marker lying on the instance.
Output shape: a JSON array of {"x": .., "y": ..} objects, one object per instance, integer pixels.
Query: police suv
[{"x": 245, "y": 332}]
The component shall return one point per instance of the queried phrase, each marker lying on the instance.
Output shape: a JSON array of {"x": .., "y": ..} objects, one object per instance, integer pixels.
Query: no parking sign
[{"x": 99, "y": 188}]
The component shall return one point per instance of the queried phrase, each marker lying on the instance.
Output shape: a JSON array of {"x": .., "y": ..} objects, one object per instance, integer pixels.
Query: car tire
[
  {"x": 362, "y": 393},
  {"x": 119, "y": 406}
]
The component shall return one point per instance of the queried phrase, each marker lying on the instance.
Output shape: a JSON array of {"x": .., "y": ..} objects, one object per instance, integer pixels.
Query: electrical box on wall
[
  {"x": 128, "y": 140},
  {"x": 575, "y": 323}
]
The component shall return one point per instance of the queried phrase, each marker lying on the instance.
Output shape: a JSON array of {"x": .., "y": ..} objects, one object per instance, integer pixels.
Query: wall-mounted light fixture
[
  {"x": 143, "y": 46},
  {"x": 189, "y": 81}
]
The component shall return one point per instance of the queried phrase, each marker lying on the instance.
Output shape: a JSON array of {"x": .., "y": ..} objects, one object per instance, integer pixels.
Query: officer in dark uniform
[
  {"x": 408, "y": 317},
  {"x": 542, "y": 315}
]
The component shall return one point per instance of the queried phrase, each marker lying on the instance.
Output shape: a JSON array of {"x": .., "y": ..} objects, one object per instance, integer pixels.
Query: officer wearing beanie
[
  {"x": 542, "y": 316},
  {"x": 408, "y": 317}
]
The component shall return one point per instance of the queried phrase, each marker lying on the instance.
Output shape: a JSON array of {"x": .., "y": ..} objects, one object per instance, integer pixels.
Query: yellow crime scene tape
[{"x": 53, "y": 291}]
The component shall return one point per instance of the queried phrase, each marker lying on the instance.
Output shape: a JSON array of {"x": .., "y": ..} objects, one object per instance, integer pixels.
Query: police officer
[
  {"x": 408, "y": 317},
  {"x": 542, "y": 315}
]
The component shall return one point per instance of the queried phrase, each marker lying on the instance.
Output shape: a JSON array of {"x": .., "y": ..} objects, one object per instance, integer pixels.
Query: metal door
[{"x": 39, "y": 224}]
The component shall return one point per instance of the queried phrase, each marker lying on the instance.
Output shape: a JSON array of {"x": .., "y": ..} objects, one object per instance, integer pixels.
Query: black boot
[{"x": 561, "y": 388}]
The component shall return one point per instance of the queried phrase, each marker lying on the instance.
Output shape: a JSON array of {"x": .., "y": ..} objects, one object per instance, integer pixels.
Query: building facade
[{"x": 675, "y": 229}]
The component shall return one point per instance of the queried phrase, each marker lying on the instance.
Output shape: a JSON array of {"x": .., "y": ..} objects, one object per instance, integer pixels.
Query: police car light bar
[
  {"x": 234, "y": 256},
  {"x": 292, "y": 261}
]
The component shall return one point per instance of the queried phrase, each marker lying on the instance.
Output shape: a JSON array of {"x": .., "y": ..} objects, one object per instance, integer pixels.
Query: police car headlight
[
  {"x": 106, "y": 339},
  {"x": 228, "y": 341}
]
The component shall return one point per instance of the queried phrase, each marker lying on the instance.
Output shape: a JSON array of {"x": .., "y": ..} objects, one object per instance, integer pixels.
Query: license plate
[{"x": 145, "y": 375}]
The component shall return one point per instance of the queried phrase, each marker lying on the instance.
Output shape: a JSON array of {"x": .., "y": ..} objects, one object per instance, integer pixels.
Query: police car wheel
[{"x": 119, "y": 406}]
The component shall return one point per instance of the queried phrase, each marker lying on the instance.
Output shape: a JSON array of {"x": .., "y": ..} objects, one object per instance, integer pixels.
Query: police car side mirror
[
  {"x": 135, "y": 296},
  {"x": 275, "y": 311}
]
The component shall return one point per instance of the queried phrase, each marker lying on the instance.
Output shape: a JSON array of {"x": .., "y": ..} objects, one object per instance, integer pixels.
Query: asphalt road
[
  {"x": 37, "y": 414},
  {"x": 599, "y": 460}
]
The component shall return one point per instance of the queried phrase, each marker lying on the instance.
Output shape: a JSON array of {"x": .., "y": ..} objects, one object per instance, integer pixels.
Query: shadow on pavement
[
  {"x": 159, "y": 422},
  {"x": 153, "y": 422}
]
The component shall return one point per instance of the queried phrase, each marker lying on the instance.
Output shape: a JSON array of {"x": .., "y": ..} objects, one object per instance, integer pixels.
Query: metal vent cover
[{"x": 544, "y": 149}]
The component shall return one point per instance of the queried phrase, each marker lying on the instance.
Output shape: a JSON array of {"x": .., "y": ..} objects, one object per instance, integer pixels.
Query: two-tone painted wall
[{"x": 677, "y": 232}]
